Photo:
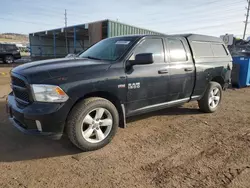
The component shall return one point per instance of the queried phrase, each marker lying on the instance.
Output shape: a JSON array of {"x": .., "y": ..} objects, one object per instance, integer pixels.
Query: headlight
[{"x": 48, "y": 93}]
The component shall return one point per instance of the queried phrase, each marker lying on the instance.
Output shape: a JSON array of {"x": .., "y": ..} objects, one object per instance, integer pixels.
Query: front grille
[
  {"x": 20, "y": 90},
  {"x": 23, "y": 95},
  {"x": 18, "y": 82}
]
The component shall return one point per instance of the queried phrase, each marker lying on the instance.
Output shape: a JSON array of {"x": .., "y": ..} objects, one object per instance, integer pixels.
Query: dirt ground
[{"x": 177, "y": 147}]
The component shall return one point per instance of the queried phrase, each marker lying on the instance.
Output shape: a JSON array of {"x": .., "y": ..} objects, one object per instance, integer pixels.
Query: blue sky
[{"x": 213, "y": 17}]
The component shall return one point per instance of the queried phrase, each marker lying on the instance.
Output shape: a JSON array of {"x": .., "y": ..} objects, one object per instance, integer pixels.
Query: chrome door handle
[
  {"x": 188, "y": 69},
  {"x": 163, "y": 71}
]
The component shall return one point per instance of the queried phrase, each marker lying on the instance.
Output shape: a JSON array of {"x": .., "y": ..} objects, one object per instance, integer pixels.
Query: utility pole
[
  {"x": 65, "y": 18},
  {"x": 66, "y": 23},
  {"x": 247, "y": 15}
]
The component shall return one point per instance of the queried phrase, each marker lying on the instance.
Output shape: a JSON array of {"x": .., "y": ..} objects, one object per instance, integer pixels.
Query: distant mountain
[
  {"x": 15, "y": 34},
  {"x": 14, "y": 37}
]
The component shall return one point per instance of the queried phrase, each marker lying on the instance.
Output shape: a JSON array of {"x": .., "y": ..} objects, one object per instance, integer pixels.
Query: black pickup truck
[
  {"x": 9, "y": 53},
  {"x": 89, "y": 97}
]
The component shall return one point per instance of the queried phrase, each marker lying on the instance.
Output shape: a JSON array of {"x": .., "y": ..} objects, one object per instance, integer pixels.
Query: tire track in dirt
[
  {"x": 213, "y": 167},
  {"x": 178, "y": 147}
]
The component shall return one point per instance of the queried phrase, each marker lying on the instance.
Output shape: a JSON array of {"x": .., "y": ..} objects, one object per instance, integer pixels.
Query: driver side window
[{"x": 154, "y": 46}]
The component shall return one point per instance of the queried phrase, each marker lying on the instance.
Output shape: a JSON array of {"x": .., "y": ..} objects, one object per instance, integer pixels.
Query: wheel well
[
  {"x": 219, "y": 80},
  {"x": 5, "y": 55},
  {"x": 112, "y": 98}
]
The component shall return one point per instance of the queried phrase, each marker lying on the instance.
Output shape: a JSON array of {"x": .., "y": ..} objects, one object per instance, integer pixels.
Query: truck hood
[{"x": 39, "y": 71}]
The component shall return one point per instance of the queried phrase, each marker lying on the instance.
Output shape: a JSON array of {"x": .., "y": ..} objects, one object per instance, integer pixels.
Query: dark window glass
[
  {"x": 154, "y": 46},
  {"x": 219, "y": 50},
  {"x": 177, "y": 50},
  {"x": 10, "y": 47},
  {"x": 202, "y": 49},
  {"x": 109, "y": 49}
]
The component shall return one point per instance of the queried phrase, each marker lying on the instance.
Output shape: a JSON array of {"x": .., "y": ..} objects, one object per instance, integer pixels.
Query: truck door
[
  {"x": 181, "y": 69},
  {"x": 147, "y": 84}
]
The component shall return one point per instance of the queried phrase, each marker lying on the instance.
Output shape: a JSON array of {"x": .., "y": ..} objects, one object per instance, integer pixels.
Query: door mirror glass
[{"x": 143, "y": 59}]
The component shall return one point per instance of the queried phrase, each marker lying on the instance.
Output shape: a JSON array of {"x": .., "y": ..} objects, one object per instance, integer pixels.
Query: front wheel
[
  {"x": 209, "y": 103},
  {"x": 92, "y": 123},
  {"x": 9, "y": 59}
]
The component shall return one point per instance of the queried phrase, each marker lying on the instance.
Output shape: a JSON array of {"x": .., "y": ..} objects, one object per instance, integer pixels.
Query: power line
[
  {"x": 201, "y": 19},
  {"x": 199, "y": 6},
  {"x": 195, "y": 15},
  {"x": 55, "y": 9},
  {"x": 23, "y": 21},
  {"x": 11, "y": 14},
  {"x": 40, "y": 6},
  {"x": 213, "y": 3},
  {"x": 200, "y": 9},
  {"x": 52, "y": 9},
  {"x": 200, "y": 13},
  {"x": 205, "y": 27}
]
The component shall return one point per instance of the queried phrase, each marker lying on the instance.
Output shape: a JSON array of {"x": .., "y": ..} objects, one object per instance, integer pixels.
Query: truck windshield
[{"x": 109, "y": 49}]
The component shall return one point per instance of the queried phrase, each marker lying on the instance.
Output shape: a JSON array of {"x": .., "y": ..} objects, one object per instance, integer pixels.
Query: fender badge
[{"x": 121, "y": 86}]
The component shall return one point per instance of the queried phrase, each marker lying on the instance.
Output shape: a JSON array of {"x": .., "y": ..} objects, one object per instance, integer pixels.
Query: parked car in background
[
  {"x": 9, "y": 53},
  {"x": 71, "y": 56},
  {"x": 74, "y": 55},
  {"x": 89, "y": 96},
  {"x": 24, "y": 49}
]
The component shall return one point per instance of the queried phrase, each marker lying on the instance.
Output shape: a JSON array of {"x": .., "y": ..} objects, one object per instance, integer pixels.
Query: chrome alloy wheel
[
  {"x": 97, "y": 125},
  {"x": 9, "y": 59},
  {"x": 214, "y": 98}
]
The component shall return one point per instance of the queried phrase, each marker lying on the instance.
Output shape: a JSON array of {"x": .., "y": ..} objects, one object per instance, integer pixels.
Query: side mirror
[{"x": 143, "y": 59}]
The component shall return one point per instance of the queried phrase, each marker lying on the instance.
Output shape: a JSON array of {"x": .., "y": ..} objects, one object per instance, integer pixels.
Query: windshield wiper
[{"x": 90, "y": 57}]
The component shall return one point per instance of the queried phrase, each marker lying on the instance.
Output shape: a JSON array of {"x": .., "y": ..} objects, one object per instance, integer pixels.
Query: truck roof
[
  {"x": 190, "y": 37},
  {"x": 203, "y": 38}
]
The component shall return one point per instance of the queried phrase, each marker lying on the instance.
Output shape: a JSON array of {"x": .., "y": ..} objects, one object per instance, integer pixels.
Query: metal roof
[
  {"x": 68, "y": 27},
  {"x": 85, "y": 25}
]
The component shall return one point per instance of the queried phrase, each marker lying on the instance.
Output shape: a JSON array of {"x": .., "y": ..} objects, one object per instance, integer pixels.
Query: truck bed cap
[{"x": 197, "y": 37}]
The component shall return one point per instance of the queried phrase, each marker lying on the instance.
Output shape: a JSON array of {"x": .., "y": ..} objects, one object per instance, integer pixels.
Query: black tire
[
  {"x": 204, "y": 101},
  {"x": 8, "y": 59},
  {"x": 76, "y": 118}
]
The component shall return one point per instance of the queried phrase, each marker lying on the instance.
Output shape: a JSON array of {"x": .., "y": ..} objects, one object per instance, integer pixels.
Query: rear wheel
[
  {"x": 210, "y": 101},
  {"x": 9, "y": 59},
  {"x": 92, "y": 123}
]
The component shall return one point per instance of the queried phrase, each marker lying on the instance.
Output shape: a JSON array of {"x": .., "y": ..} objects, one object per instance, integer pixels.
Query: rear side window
[
  {"x": 176, "y": 50},
  {"x": 154, "y": 46},
  {"x": 202, "y": 49},
  {"x": 219, "y": 50},
  {"x": 10, "y": 47}
]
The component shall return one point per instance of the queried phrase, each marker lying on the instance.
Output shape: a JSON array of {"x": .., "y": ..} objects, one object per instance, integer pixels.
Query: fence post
[
  {"x": 54, "y": 38},
  {"x": 74, "y": 39}
]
